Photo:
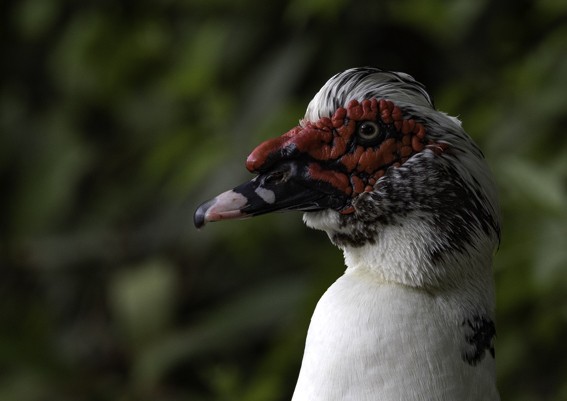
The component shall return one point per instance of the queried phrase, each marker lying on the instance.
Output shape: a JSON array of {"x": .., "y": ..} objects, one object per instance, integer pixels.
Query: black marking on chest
[{"x": 479, "y": 336}]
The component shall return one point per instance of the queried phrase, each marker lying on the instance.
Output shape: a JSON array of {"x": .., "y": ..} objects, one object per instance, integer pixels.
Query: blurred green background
[{"x": 119, "y": 117}]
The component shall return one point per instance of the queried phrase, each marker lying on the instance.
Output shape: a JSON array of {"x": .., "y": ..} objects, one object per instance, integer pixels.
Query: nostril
[{"x": 274, "y": 178}]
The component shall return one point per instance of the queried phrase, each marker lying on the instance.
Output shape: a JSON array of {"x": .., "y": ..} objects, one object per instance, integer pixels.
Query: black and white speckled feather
[{"x": 452, "y": 195}]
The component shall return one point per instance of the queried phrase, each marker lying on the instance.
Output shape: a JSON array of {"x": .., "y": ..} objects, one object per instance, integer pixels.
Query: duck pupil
[{"x": 367, "y": 130}]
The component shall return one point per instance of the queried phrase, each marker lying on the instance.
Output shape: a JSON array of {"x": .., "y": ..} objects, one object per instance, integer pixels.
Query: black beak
[{"x": 287, "y": 186}]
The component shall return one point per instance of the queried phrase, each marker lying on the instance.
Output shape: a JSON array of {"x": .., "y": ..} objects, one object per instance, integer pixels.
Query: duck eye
[{"x": 368, "y": 131}]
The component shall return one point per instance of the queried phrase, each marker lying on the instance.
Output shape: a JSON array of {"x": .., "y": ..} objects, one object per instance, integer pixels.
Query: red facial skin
[{"x": 328, "y": 139}]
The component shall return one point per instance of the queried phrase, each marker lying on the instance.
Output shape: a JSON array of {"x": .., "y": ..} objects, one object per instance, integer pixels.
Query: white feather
[{"x": 370, "y": 340}]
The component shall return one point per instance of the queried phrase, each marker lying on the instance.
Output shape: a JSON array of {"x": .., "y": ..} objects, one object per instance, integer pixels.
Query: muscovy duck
[{"x": 408, "y": 197}]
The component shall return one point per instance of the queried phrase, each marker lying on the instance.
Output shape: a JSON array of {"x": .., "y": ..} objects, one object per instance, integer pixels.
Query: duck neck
[{"x": 463, "y": 278}]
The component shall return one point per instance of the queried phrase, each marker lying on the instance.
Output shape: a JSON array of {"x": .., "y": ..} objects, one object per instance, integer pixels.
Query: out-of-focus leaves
[
  {"x": 196, "y": 69},
  {"x": 551, "y": 257},
  {"x": 142, "y": 299},
  {"x": 532, "y": 185},
  {"x": 24, "y": 386},
  {"x": 303, "y": 10},
  {"x": 34, "y": 17},
  {"x": 55, "y": 162},
  {"x": 443, "y": 20},
  {"x": 228, "y": 326}
]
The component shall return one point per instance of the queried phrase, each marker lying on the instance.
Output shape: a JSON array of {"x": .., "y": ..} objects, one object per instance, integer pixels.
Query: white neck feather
[{"x": 388, "y": 329}]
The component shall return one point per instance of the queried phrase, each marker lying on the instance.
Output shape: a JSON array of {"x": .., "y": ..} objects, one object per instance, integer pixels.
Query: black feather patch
[{"x": 480, "y": 338}]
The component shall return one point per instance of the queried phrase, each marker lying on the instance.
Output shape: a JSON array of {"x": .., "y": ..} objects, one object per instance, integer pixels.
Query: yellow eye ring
[{"x": 368, "y": 131}]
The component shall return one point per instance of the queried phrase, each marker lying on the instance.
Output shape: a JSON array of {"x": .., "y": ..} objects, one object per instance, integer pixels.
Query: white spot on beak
[
  {"x": 266, "y": 195},
  {"x": 225, "y": 206}
]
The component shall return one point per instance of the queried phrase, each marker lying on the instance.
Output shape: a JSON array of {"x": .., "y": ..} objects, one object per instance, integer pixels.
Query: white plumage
[{"x": 373, "y": 340}]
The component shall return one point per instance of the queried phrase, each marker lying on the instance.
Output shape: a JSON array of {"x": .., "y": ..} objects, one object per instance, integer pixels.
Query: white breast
[{"x": 369, "y": 340}]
